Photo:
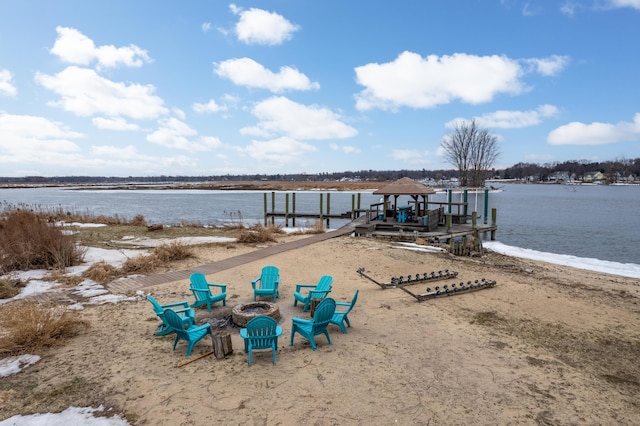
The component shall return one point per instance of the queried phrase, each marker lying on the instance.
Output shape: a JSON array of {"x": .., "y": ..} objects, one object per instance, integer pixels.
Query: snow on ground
[
  {"x": 71, "y": 416},
  {"x": 630, "y": 270},
  {"x": 15, "y": 364}
]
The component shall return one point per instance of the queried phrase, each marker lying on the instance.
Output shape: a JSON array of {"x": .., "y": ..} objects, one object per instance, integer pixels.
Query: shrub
[
  {"x": 257, "y": 234},
  {"x": 8, "y": 289},
  {"x": 28, "y": 327},
  {"x": 28, "y": 241},
  {"x": 63, "y": 279},
  {"x": 139, "y": 265},
  {"x": 172, "y": 251},
  {"x": 101, "y": 272},
  {"x": 138, "y": 220}
]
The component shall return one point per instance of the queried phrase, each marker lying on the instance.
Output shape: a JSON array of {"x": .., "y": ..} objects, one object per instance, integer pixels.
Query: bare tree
[{"x": 472, "y": 150}]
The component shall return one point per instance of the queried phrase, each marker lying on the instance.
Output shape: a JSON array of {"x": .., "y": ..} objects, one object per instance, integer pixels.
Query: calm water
[{"x": 601, "y": 222}]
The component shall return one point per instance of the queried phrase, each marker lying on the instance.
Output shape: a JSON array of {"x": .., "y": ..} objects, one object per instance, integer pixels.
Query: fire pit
[{"x": 245, "y": 312}]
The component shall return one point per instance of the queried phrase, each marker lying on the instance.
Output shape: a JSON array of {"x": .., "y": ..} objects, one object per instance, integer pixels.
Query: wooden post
[
  {"x": 449, "y": 199},
  {"x": 474, "y": 220},
  {"x": 494, "y": 213},
  {"x": 312, "y": 306},
  {"x": 286, "y": 210},
  {"x": 465, "y": 200},
  {"x": 328, "y": 208},
  {"x": 265, "y": 209},
  {"x": 221, "y": 345},
  {"x": 449, "y": 221},
  {"x": 273, "y": 207},
  {"x": 353, "y": 206},
  {"x": 321, "y": 206},
  {"x": 294, "y": 209},
  {"x": 486, "y": 205}
]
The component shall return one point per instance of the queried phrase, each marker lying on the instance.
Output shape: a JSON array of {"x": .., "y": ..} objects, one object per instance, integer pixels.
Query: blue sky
[{"x": 142, "y": 88}]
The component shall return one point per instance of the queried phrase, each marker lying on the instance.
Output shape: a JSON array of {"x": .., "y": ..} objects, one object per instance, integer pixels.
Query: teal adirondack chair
[
  {"x": 315, "y": 291},
  {"x": 340, "y": 317},
  {"x": 269, "y": 281},
  {"x": 191, "y": 335},
  {"x": 202, "y": 291},
  {"x": 262, "y": 332},
  {"x": 186, "y": 314},
  {"x": 309, "y": 328}
]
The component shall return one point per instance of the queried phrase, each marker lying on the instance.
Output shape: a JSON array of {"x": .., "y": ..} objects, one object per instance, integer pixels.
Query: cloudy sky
[{"x": 158, "y": 87}]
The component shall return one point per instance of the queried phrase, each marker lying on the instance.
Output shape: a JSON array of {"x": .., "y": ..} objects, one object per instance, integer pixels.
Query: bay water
[{"x": 589, "y": 221}]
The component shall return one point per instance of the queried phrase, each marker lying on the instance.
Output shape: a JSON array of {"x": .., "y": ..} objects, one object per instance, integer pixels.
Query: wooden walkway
[{"x": 137, "y": 283}]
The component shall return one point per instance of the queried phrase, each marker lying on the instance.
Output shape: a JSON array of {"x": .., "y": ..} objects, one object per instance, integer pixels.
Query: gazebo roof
[{"x": 405, "y": 186}]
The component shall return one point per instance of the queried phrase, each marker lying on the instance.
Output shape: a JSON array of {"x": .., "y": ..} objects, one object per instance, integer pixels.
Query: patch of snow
[
  {"x": 15, "y": 364},
  {"x": 71, "y": 416}
]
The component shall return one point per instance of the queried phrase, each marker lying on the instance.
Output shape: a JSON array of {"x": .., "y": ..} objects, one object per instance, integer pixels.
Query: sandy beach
[{"x": 547, "y": 345}]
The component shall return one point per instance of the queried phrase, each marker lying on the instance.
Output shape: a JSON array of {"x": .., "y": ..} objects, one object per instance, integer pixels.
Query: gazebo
[{"x": 405, "y": 186}]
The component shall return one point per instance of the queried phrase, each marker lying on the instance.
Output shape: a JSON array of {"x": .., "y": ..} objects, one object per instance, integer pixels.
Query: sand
[{"x": 547, "y": 345}]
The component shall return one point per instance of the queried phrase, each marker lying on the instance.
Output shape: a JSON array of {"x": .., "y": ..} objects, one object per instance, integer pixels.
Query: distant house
[
  {"x": 561, "y": 177},
  {"x": 593, "y": 177}
]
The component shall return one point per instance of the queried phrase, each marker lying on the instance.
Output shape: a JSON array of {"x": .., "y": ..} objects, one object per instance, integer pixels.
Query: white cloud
[
  {"x": 6, "y": 84},
  {"x": 112, "y": 151},
  {"x": 410, "y": 156},
  {"x": 596, "y": 133},
  {"x": 174, "y": 133},
  {"x": 284, "y": 150},
  {"x": 206, "y": 27},
  {"x": 115, "y": 123},
  {"x": 74, "y": 47},
  {"x": 247, "y": 72},
  {"x": 346, "y": 149},
  {"x": 510, "y": 119},
  {"x": 417, "y": 82},
  {"x": 210, "y": 106},
  {"x": 634, "y": 4},
  {"x": 257, "y": 26},
  {"x": 280, "y": 115},
  {"x": 85, "y": 93},
  {"x": 34, "y": 139},
  {"x": 550, "y": 66}
]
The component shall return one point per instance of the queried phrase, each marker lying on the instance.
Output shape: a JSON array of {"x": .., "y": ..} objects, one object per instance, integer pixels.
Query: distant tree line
[
  {"x": 612, "y": 170},
  {"x": 529, "y": 171}
]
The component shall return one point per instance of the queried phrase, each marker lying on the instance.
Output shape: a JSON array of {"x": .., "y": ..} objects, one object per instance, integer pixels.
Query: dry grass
[
  {"x": 103, "y": 273},
  {"x": 9, "y": 289},
  {"x": 257, "y": 234},
  {"x": 65, "y": 280},
  {"x": 29, "y": 327},
  {"x": 29, "y": 241},
  {"x": 172, "y": 251}
]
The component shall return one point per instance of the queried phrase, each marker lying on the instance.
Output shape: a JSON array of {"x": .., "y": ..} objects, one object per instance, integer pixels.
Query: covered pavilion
[{"x": 419, "y": 192}]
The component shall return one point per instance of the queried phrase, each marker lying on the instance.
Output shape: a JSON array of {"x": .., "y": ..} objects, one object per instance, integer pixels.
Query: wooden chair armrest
[
  {"x": 343, "y": 304},
  {"x": 222, "y": 286}
]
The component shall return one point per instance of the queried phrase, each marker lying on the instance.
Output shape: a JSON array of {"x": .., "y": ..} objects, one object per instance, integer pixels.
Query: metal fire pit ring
[{"x": 245, "y": 312}]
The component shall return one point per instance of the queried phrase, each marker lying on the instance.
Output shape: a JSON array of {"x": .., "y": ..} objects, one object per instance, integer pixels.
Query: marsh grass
[
  {"x": 61, "y": 278},
  {"x": 101, "y": 272},
  {"x": 9, "y": 289},
  {"x": 257, "y": 234},
  {"x": 29, "y": 327},
  {"x": 29, "y": 241}
]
